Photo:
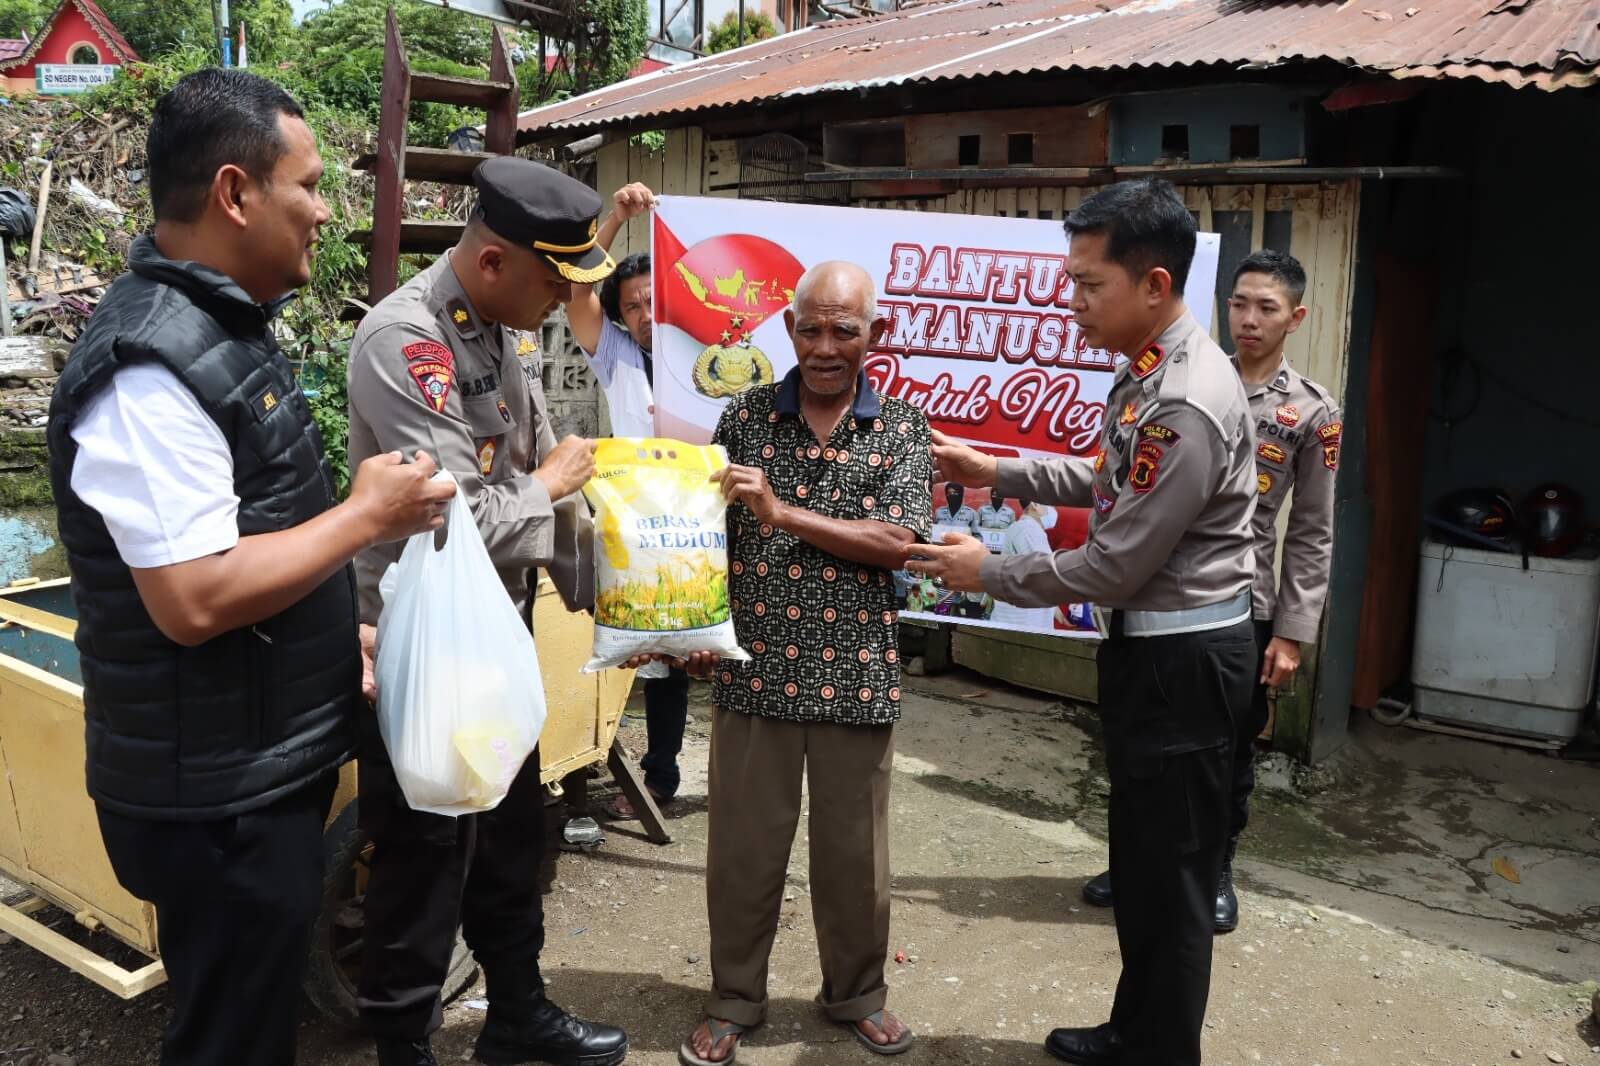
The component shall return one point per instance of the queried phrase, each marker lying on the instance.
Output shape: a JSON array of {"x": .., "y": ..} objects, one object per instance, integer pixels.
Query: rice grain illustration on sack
[{"x": 661, "y": 568}]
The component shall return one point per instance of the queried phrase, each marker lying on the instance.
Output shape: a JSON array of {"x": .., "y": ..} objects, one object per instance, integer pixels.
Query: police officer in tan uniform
[
  {"x": 1297, "y": 445},
  {"x": 1169, "y": 563},
  {"x": 446, "y": 364}
]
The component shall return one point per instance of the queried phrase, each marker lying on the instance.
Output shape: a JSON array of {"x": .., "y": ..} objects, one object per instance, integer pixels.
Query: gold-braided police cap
[{"x": 537, "y": 207}]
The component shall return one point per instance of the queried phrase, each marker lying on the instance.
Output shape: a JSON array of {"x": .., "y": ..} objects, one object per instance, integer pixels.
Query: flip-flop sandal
[
  {"x": 719, "y": 1030},
  {"x": 876, "y": 1018}
]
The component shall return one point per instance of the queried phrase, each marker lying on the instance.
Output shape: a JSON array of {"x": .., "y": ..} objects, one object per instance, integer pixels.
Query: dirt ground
[{"x": 1373, "y": 933}]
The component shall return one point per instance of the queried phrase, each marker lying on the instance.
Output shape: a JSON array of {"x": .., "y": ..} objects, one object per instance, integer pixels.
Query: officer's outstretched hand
[
  {"x": 568, "y": 466},
  {"x": 958, "y": 562},
  {"x": 399, "y": 499},
  {"x": 961, "y": 464}
]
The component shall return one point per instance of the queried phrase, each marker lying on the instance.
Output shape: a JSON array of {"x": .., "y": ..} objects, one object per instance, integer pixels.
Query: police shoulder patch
[
  {"x": 1330, "y": 433},
  {"x": 1146, "y": 465},
  {"x": 1156, "y": 431},
  {"x": 431, "y": 366},
  {"x": 1330, "y": 455}
]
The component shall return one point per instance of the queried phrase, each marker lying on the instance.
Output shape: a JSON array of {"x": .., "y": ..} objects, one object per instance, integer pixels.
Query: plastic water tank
[{"x": 1505, "y": 649}]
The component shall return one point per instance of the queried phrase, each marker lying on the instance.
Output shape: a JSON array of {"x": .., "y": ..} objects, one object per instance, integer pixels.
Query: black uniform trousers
[
  {"x": 236, "y": 899},
  {"x": 430, "y": 874},
  {"x": 1171, "y": 709},
  {"x": 1244, "y": 757}
]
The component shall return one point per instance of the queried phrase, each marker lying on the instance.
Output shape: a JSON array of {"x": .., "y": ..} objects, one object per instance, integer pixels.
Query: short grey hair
[{"x": 833, "y": 267}]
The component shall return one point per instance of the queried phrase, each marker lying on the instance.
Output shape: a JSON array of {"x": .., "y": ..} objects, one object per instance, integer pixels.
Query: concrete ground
[{"x": 1375, "y": 930}]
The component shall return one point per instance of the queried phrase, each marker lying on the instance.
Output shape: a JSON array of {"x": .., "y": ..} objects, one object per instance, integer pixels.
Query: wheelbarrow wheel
[{"x": 335, "y": 963}]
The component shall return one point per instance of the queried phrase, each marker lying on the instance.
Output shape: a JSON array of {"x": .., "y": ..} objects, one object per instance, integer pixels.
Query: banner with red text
[{"x": 979, "y": 337}]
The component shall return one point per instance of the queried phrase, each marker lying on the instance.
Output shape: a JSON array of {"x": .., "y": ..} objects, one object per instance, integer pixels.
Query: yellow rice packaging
[{"x": 661, "y": 580}]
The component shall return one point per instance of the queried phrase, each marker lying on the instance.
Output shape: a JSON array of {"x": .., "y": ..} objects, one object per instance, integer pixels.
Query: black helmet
[
  {"x": 1476, "y": 518},
  {"x": 1552, "y": 520}
]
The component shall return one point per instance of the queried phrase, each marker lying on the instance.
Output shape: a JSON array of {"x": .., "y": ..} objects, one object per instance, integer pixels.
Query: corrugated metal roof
[{"x": 1551, "y": 44}]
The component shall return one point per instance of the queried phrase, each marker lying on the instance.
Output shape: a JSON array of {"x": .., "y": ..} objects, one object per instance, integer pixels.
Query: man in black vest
[{"x": 216, "y": 604}]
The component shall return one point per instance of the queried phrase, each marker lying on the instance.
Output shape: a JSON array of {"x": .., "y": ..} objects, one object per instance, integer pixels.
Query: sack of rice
[{"x": 661, "y": 567}]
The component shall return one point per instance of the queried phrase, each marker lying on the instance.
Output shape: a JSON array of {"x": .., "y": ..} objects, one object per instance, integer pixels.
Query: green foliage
[
  {"x": 651, "y": 140},
  {"x": 758, "y": 26},
  {"x": 22, "y": 16},
  {"x": 155, "y": 27},
  {"x": 624, "y": 29},
  {"x": 322, "y": 379},
  {"x": 426, "y": 30}
]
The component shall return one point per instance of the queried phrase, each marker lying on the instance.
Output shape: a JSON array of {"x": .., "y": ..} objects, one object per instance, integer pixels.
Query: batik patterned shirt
[{"x": 822, "y": 632}]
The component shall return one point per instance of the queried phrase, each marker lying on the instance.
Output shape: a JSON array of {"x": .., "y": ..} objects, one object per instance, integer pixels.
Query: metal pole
[
  {"x": 741, "y": 22},
  {"x": 5, "y": 302},
  {"x": 227, "y": 45}
]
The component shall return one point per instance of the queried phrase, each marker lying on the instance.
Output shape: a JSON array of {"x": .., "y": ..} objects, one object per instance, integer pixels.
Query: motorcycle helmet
[
  {"x": 1476, "y": 518},
  {"x": 1552, "y": 520}
]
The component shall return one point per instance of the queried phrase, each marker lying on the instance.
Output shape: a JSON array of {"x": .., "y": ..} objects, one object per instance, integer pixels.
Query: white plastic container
[{"x": 1504, "y": 649}]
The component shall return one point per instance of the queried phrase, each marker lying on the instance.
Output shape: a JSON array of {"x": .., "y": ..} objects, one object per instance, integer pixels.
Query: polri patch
[
  {"x": 1271, "y": 453},
  {"x": 1330, "y": 433},
  {"x": 1142, "y": 478},
  {"x": 505, "y": 412},
  {"x": 1263, "y": 483},
  {"x": 431, "y": 366},
  {"x": 1102, "y": 502},
  {"x": 1289, "y": 415},
  {"x": 1157, "y": 432},
  {"x": 1100, "y": 461},
  {"x": 1330, "y": 455},
  {"x": 486, "y": 457}
]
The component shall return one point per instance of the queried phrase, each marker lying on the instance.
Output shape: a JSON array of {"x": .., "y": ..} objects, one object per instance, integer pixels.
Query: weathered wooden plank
[
  {"x": 1061, "y": 136},
  {"x": 1061, "y": 665},
  {"x": 383, "y": 256},
  {"x": 500, "y": 133}
]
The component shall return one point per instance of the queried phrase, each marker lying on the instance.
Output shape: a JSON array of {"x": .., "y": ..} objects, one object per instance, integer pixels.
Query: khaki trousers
[{"x": 756, "y": 768}]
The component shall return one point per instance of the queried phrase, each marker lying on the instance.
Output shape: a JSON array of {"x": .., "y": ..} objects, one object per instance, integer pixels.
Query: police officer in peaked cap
[{"x": 450, "y": 363}]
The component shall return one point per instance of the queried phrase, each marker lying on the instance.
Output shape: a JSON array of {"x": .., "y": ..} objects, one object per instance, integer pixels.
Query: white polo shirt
[{"x": 157, "y": 469}]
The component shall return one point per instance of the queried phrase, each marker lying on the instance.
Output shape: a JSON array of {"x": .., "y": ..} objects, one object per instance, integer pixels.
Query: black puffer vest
[{"x": 180, "y": 733}]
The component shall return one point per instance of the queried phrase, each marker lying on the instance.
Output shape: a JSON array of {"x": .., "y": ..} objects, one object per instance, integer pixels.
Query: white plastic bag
[{"x": 460, "y": 699}]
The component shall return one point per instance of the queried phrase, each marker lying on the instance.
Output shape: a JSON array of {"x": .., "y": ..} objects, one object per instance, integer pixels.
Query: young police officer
[
  {"x": 443, "y": 363},
  {"x": 1297, "y": 430},
  {"x": 1170, "y": 555}
]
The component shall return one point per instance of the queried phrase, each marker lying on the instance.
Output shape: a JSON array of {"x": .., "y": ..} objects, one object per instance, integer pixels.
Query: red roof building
[{"x": 77, "y": 32}]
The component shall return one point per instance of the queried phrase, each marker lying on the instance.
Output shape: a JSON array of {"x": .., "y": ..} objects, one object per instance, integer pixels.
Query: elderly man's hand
[
  {"x": 961, "y": 464},
  {"x": 958, "y": 562},
  {"x": 749, "y": 486},
  {"x": 369, "y": 652},
  {"x": 699, "y": 664},
  {"x": 631, "y": 201}
]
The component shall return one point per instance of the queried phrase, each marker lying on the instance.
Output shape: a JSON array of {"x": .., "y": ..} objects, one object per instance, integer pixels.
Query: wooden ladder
[{"x": 392, "y": 234}]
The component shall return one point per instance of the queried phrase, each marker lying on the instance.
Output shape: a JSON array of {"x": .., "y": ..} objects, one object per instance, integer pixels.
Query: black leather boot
[
  {"x": 537, "y": 1030},
  {"x": 395, "y": 1052},
  {"x": 1227, "y": 913},
  {"x": 1097, "y": 890}
]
